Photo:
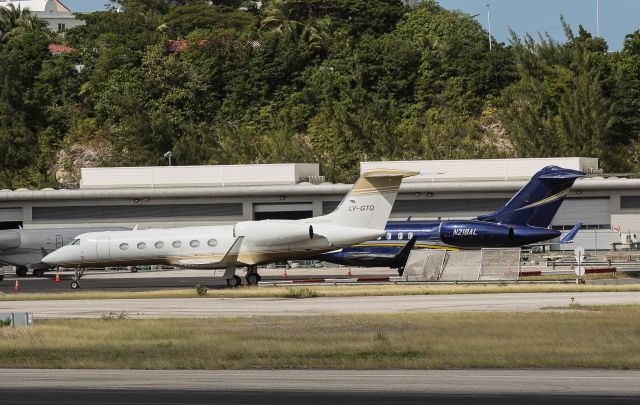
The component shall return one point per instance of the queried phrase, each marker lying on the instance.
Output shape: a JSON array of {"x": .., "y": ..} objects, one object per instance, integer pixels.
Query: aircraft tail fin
[
  {"x": 570, "y": 236},
  {"x": 369, "y": 203},
  {"x": 538, "y": 201}
]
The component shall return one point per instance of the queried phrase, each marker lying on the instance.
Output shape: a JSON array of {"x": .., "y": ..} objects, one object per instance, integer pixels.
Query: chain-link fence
[
  {"x": 466, "y": 265},
  {"x": 425, "y": 265},
  {"x": 500, "y": 264}
]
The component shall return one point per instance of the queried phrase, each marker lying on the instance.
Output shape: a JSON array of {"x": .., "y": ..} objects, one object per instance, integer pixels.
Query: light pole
[
  {"x": 489, "y": 22},
  {"x": 168, "y": 156},
  {"x": 598, "y": 18}
]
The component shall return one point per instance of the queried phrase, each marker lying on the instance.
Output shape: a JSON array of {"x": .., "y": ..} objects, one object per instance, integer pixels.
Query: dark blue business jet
[{"x": 524, "y": 220}]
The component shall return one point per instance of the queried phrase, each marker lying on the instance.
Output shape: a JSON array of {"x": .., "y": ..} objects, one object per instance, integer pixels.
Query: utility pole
[
  {"x": 598, "y": 18},
  {"x": 489, "y": 22}
]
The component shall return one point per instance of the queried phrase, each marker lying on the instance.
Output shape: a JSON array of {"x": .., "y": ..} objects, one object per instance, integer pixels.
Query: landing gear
[
  {"x": 253, "y": 278},
  {"x": 134, "y": 269},
  {"x": 21, "y": 271},
  {"x": 234, "y": 281},
  {"x": 75, "y": 284},
  {"x": 400, "y": 271},
  {"x": 38, "y": 273}
]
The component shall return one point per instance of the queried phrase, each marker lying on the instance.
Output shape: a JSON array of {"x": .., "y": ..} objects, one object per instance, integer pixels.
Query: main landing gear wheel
[
  {"x": 38, "y": 273},
  {"x": 75, "y": 285},
  {"x": 234, "y": 281},
  {"x": 253, "y": 279},
  {"x": 21, "y": 271},
  {"x": 401, "y": 271}
]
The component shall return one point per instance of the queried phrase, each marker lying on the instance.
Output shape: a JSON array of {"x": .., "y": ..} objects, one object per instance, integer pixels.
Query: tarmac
[
  {"x": 170, "y": 279},
  {"x": 216, "y": 307},
  {"x": 320, "y": 386}
]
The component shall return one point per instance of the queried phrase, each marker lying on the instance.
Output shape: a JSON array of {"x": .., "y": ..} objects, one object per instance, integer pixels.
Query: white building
[{"x": 54, "y": 12}]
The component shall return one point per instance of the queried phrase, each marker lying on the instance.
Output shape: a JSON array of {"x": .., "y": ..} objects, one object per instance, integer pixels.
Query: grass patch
[
  {"x": 605, "y": 337},
  {"x": 325, "y": 291}
]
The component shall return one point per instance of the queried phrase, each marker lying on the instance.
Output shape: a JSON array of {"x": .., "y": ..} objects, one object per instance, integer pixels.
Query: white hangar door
[
  {"x": 594, "y": 213},
  {"x": 589, "y": 211}
]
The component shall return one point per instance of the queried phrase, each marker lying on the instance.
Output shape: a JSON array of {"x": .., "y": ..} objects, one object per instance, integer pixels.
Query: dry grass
[
  {"x": 326, "y": 291},
  {"x": 604, "y": 337}
]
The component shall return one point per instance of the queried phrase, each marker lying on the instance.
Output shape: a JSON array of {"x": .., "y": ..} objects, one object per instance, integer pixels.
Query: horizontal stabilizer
[{"x": 568, "y": 238}]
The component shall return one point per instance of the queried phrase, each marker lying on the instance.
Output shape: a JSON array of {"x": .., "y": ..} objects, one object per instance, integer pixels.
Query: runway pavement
[
  {"x": 212, "y": 307},
  {"x": 320, "y": 386}
]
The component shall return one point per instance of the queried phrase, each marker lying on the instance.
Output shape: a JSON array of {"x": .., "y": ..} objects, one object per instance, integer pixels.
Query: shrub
[
  {"x": 201, "y": 290},
  {"x": 300, "y": 293}
]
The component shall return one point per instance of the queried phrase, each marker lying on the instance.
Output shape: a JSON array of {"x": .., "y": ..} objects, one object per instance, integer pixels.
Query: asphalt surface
[
  {"x": 212, "y": 307},
  {"x": 141, "y": 281},
  {"x": 320, "y": 386}
]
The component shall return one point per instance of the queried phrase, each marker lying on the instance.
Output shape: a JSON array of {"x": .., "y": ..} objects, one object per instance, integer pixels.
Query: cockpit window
[{"x": 75, "y": 242}]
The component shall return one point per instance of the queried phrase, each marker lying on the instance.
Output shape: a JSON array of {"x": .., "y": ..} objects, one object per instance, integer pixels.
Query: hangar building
[{"x": 171, "y": 196}]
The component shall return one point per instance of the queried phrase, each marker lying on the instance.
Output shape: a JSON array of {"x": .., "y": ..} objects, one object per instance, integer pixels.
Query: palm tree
[
  {"x": 277, "y": 18},
  {"x": 16, "y": 20},
  {"x": 317, "y": 34}
]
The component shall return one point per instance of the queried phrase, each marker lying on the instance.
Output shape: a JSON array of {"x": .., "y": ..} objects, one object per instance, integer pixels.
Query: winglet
[
  {"x": 568, "y": 238},
  {"x": 404, "y": 253},
  {"x": 232, "y": 254}
]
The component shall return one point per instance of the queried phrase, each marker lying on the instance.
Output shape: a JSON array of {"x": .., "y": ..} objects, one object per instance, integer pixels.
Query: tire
[
  {"x": 21, "y": 271},
  {"x": 1, "y": 278},
  {"x": 75, "y": 285},
  {"x": 234, "y": 281},
  {"x": 253, "y": 279},
  {"x": 38, "y": 273},
  {"x": 134, "y": 269}
]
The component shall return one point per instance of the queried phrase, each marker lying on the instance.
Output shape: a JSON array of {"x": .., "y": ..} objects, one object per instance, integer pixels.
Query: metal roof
[{"x": 303, "y": 189}]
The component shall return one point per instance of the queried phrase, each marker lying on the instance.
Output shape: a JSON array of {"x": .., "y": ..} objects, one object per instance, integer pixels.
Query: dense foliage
[{"x": 329, "y": 81}]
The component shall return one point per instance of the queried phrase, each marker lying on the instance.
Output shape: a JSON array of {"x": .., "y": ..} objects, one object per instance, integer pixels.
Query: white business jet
[{"x": 361, "y": 216}]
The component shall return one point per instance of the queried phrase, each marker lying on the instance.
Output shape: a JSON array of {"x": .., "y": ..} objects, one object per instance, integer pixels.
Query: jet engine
[
  {"x": 9, "y": 239},
  {"x": 273, "y": 233}
]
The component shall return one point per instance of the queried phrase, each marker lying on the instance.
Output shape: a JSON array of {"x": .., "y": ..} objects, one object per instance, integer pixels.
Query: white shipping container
[
  {"x": 481, "y": 169},
  {"x": 194, "y": 176}
]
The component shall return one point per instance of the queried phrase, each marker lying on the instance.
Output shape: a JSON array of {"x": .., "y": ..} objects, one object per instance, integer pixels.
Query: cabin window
[
  {"x": 212, "y": 242},
  {"x": 76, "y": 242},
  {"x": 410, "y": 235},
  {"x": 388, "y": 235},
  {"x": 194, "y": 243},
  {"x": 176, "y": 244},
  {"x": 142, "y": 245},
  {"x": 124, "y": 246},
  {"x": 400, "y": 235},
  {"x": 159, "y": 245}
]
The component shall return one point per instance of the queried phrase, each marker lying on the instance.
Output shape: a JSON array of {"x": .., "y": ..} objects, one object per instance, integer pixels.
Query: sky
[{"x": 617, "y": 17}]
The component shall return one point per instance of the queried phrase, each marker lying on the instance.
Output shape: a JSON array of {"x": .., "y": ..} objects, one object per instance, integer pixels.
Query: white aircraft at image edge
[{"x": 361, "y": 216}]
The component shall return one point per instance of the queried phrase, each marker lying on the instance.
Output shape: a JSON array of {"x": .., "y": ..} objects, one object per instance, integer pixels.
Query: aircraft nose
[{"x": 53, "y": 258}]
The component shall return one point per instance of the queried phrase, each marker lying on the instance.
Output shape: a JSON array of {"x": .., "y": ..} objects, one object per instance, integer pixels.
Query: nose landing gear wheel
[
  {"x": 234, "y": 281},
  {"x": 75, "y": 285}
]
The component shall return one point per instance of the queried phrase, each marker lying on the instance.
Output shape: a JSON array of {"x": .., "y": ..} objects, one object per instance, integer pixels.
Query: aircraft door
[
  {"x": 59, "y": 241},
  {"x": 102, "y": 249}
]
